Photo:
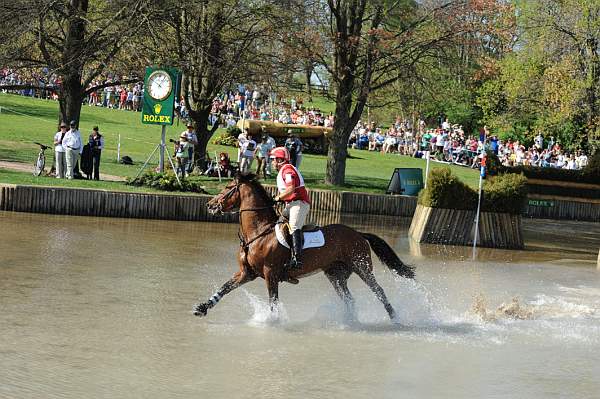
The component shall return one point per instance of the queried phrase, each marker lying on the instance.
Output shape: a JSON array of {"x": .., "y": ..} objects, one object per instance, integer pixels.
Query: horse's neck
[{"x": 256, "y": 215}]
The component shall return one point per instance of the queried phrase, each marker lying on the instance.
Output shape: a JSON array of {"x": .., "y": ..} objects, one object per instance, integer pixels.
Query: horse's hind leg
[
  {"x": 338, "y": 276},
  {"x": 237, "y": 280},
  {"x": 364, "y": 272}
]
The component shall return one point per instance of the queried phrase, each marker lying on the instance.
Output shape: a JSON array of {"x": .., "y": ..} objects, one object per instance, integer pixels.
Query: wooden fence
[
  {"x": 70, "y": 201},
  {"x": 456, "y": 227},
  {"x": 566, "y": 208},
  {"x": 66, "y": 201}
]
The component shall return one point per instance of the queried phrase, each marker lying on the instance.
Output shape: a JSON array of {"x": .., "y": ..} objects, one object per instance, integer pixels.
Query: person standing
[
  {"x": 290, "y": 185},
  {"x": 96, "y": 142},
  {"x": 59, "y": 151},
  {"x": 73, "y": 148},
  {"x": 242, "y": 138},
  {"x": 262, "y": 156},
  {"x": 192, "y": 140},
  {"x": 271, "y": 143},
  {"x": 294, "y": 147},
  {"x": 182, "y": 155},
  {"x": 247, "y": 154}
]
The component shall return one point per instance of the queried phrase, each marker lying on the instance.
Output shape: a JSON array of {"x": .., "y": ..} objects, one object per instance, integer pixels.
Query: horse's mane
[{"x": 252, "y": 179}]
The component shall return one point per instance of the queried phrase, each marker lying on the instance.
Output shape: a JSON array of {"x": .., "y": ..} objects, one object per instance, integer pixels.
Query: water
[{"x": 101, "y": 308}]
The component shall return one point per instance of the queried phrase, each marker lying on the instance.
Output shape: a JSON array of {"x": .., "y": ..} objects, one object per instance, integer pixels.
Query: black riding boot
[{"x": 296, "y": 262}]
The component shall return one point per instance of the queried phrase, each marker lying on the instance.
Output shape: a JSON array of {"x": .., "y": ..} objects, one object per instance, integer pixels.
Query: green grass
[
  {"x": 36, "y": 120},
  {"x": 14, "y": 177}
]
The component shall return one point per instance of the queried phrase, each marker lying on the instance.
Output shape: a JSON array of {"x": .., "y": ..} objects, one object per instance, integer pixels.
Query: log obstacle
[{"x": 456, "y": 227}]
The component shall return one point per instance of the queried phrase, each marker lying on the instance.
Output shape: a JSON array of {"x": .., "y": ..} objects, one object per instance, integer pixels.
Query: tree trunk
[
  {"x": 71, "y": 98},
  {"x": 308, "y": 70},
  {"x": 204, "y": 133},
  {"x": 338, "y": 140}
]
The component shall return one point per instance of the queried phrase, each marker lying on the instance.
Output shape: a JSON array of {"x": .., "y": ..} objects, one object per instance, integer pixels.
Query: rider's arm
[{"x": 285, "y": 193}]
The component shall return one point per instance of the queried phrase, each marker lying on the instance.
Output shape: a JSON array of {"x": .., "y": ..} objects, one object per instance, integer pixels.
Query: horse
[{"x": 345, "y": 251}]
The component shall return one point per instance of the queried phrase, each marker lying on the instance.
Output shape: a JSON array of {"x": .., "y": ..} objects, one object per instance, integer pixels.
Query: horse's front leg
[
  {"x": 272, "y": 280},
  {"x": 237, "y": 280}
]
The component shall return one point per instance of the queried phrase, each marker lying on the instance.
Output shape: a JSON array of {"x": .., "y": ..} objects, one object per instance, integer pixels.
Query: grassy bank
[{"x": 25, "y": 120}]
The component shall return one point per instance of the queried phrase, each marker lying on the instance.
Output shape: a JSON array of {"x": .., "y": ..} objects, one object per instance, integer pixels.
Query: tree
[
  {"x": 76, "y": 40},
  {"x": 216, "y": 45},
  {"x": 375, "y": 43},
  {"x": 550, "y": 84}
]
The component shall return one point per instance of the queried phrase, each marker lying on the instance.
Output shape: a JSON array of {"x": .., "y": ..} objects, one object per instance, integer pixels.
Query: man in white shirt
[
  {"x": 59, "y": 151},
  {"x": 247, "y": 155},
  {"x": 73, "y": 148},
  {"x": 242, "y": 138},
  {"x": 446, "y": 125}
]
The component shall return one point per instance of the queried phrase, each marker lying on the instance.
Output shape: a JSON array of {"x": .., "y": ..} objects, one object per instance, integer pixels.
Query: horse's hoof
[{"x": 200, "y": 310}]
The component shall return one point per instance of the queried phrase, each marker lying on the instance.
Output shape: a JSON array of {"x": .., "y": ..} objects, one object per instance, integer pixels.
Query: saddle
[{"x": 313, "y": 235}]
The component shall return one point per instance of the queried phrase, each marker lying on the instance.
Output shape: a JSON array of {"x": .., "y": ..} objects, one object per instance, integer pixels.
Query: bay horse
[{"x": 346, "y": 250}]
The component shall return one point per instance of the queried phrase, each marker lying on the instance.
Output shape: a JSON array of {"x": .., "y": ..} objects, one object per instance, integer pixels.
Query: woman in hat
[{"x": 182, "y": 155}]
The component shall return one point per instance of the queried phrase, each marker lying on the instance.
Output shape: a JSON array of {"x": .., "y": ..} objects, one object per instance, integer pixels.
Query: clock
[{"x": 160, "y": 85}]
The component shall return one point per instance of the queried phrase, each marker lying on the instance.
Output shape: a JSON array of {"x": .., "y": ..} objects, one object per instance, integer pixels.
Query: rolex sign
[{"x": 161, "y": 86}]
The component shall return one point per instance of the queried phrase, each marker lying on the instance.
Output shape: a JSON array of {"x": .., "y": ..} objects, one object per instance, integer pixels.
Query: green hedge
[
  {"x": 445, "y": 190},
  {"x": 168, "y": 182},
  {"x": 505, "y": 193}
]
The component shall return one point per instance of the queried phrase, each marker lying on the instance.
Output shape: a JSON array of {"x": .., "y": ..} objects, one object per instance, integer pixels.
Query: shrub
[
  {"x": 228, "y": 138},
  {"x": 505, "y": 193},
  {"x": 168, "y": 182},
  {"x": 445, "y": 190}
]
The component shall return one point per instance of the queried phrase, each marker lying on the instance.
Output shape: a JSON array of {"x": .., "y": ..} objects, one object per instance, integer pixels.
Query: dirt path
[{"x": 25, "y": 167}]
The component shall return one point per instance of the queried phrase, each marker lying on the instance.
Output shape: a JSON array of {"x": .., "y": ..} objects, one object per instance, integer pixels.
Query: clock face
[{"x": 159, "y": 85}]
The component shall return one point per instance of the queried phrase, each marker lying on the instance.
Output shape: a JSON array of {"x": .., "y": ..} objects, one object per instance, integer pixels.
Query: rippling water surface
[{"x": 101, "y": 308}]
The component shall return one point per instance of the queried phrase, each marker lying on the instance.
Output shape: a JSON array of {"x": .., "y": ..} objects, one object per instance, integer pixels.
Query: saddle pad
[{"x": 314, "y": 239}]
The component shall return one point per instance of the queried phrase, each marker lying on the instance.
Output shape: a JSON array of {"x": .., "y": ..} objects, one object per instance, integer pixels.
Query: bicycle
[{"x": 40, "y": 162}]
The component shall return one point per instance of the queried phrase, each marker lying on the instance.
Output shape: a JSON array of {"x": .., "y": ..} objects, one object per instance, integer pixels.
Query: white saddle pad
[{"x": 314, "y": 239}]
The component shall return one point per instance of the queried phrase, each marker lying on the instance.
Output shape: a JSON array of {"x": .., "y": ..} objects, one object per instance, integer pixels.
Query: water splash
[
  {"x": 262, "y": 314},
  {"x": 543, "y": 307}
]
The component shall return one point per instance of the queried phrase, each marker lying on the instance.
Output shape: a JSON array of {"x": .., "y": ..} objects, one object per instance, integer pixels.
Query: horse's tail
[{"x": 387, "y": 256}]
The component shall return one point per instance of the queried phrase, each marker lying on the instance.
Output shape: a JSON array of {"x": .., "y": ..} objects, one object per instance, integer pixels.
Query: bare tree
[
  {"x": 75, "y": 40},
  {"x": 216, "y": 45},
  {"x": 366, "y": 45}
]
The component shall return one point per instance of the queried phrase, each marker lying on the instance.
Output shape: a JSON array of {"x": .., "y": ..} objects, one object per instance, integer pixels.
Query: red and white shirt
[{"x": 290, "y": 176}]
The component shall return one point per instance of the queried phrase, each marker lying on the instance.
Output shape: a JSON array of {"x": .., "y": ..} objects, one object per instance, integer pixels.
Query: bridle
[
  {"x": 245, "y": 244},
  {"x": 231, "y": 210}
]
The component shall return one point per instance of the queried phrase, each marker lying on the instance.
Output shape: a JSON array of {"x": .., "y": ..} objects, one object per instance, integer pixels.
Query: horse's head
[
  {"x": 242, "y": 188},
  {"x": 227, "y": 200}
]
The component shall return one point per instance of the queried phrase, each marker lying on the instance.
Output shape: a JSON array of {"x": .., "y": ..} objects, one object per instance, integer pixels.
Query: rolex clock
[
  {"x": 160, "y": 91},
  {"x": 160, "y": 85}
]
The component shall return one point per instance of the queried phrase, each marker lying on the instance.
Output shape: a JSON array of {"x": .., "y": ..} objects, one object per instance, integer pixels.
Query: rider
[{"x": 290, "y": 185}]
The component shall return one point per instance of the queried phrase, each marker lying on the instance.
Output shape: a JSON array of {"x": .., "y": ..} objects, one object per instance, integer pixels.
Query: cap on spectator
[
  {"x": 290, "y": 133},
  {"x": 73, "y": 123},
  {"x": 62, "y": 124},
  {"x": 189, "y": 124}
]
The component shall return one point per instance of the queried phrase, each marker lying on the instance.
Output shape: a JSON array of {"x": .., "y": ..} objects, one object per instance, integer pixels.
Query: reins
[{"x": 245, "y": 244}]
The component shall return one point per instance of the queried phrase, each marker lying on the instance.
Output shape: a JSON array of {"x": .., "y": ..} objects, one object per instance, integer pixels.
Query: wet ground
[{"x": 101, "y": 308}]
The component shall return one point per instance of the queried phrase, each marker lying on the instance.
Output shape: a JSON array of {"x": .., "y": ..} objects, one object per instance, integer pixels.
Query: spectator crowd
[
  {"x": 446, "y": 143},
  {"x": 449, "y": 143}
]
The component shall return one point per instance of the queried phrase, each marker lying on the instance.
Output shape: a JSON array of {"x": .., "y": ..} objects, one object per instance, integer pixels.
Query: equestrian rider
[{"x": 290, "y": 185}]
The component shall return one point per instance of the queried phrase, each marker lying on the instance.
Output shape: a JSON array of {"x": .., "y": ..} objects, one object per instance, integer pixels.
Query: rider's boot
[{"x": 296, "y": 260}]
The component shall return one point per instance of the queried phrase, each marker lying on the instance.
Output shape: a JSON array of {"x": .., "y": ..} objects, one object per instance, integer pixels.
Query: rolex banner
[{"x": 161, "y": 86}]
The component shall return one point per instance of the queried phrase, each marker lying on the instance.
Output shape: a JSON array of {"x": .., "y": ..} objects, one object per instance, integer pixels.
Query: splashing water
[{"x": 263, "y": 314}]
